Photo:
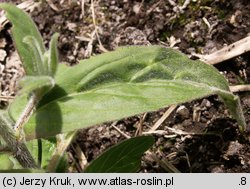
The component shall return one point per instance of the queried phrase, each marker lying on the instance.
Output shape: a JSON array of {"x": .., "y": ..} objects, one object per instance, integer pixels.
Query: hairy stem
[
  {"x": 27, "y": 112},
  {"x": 18, "y": 148},
  {"x": 63, "y": 141}
]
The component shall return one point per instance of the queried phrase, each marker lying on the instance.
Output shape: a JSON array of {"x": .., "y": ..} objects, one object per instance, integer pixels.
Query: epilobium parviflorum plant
[{"x": 56, "y": 100}]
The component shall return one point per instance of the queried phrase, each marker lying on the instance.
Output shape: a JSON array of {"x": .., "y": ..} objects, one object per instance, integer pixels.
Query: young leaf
[
  {"x": 33, "y": 83},
  {"x": 53, "y": 55},
  {"x": 124, "y": 157},
  {"x": 123, "y": 83},
  {"x": 23, "y": 26},
  {"x": 37, "y": 55}
]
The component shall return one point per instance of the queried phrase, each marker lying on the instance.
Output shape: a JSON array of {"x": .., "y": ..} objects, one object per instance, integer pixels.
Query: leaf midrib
[{"x": 149, "y": 83}]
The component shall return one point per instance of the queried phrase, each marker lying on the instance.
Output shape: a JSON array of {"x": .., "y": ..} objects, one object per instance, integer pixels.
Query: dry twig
[
  {"x": 139, "y": 126},
  {"x": 163, "y": 118},
  {"x": 166, "y": 165},
  {"x": 82, "y": 7},
  {"x": 239, "y": 88},
  {"x": 83, "y": 162},
  {"x": 96, "y": 28},
  {"x": 89, "y": 49},
  {"x": 6, "y": 98},
  {"x": 227, "y": 52},
  {"x": 119, "y": 131},
  {"x": 52, "y": 5},
  {"x": 172, "y": 130}
]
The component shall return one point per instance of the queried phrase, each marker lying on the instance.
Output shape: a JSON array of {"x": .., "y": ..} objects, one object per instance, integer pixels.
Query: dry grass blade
[
  {"x": 170, "y": 130},
  {"x": 239, "y": 88},
  {"x": 227, "y": 52},
  {"x": 82, "y": 160},
  {"x": 52, "y": 5},
  {"x": 163, "y": 118},
  {"x": 167, "y": 166},
  {"x": 96, "y": 28},
  {"x": 140, "y": 125},
  {"x": 119, "y": 131},
  {"x": 6, "y": 98},
  {"x": 82, "y": 7}
]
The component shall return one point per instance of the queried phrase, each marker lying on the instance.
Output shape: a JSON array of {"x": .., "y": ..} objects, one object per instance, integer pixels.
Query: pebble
[
  {"x": 3, "y": 55},
  {"x": 234, "y": 148},
  {"x": 183, "y": 111},
  {"x": 205, "y": 103}
]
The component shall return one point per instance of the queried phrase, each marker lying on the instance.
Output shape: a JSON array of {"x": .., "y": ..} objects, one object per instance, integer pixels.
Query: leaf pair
[
  {"x": 29, "y": 43},
  {"x": 44, "y": 63},
  {"x": 40, "y": 65}
]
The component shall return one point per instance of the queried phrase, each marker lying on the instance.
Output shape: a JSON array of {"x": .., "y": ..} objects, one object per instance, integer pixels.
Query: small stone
[
  {"x": 183, "y": 112},
  {"x": 3, "y": 54},
  {"x": 217, "y": 170},
  {"x": 72, "y": 26},
  {"x": 205, "y": 103},
  {"x": 234, "y": 148},
  {"x": 3, "y": 42},
  {"x": 136, "y": 8}
]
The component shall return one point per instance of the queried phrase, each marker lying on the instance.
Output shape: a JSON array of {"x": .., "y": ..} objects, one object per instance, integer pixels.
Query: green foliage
[
  {"x": 52, "y": 55},
  {"x": 111, "y": 86},
  {"x": 29, "y": 44},
  {"x": 36, "y": 83},
  {"x": 8, "y": 162},
  {"x": 47, "y": 149},
  {"x": 124, "y": 157},
  {"x": 24, "y": 26},
  {"x": 128, "y": 81}
]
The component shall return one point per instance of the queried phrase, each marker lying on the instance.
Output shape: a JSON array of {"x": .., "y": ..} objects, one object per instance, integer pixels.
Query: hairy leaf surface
[
  {"x": 32, "y": 83},
  {"x": 128, "y": 81},
  {"x": 53, "y": 55},
  {"x": 42, "y": 155},
  {"x": 23, "y": 26}
]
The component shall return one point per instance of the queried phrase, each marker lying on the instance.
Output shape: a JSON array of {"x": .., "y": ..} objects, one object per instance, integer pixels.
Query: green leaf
[
  {"x": 58, "y": 162},
  {"x": 6, "y": 162},
  {"x": 37, "y": 55},
  {"x": 118, "y": 84},
  {"x": 23, "y": 26},
  {"x": 234, "y": 106},
  {"x": 47, "y": 150},
  {"x": 124, "y": 157},
  {"x": 62, "y": 165},
  {"x": 53, "y": 55},
  {"x": 34, "y": 83}
]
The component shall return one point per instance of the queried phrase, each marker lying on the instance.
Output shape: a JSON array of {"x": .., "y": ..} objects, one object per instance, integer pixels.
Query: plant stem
[
  {"x": 63, "y": 141},
  {"x": 18, "y": 148},
  {"x": 27, "y": 112}
]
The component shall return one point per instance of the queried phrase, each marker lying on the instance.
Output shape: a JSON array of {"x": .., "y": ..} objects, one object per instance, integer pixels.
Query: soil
[{"x": 211, "y": 141}]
